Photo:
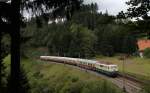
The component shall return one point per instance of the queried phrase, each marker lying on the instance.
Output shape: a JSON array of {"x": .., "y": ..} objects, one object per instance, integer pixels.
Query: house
[{"x": 142, "y": 45}]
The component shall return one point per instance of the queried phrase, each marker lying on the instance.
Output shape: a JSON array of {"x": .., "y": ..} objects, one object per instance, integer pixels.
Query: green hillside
[{"x": 45, "y": 77}]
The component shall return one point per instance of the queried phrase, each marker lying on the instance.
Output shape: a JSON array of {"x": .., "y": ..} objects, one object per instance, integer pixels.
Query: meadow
[
  {"x": 134, "y": 66},
  {"x": 45, "y": 77}
]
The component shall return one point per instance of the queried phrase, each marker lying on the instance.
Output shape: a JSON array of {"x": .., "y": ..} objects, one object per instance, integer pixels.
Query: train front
[{"x": 113, "y": 70}]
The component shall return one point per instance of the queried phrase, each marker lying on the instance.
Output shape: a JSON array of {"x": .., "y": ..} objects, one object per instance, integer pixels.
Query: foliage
[
  {"x": 147, "y": 53},
  {"x": 4, "y": 49},
  {"x": 139, "y": 9},
  {"x": 23, "y": 80},
  {"x": 129, "y": 44},
  {"x": 112, "y": 39},
  {"x": 61, "y": 8},
  {"x": 99, "y": 88},
  {"x": 82, "y": 41},
  {"x": 71, "y": 43},
  {"x": 147, "y": 88},
  {"x": 24, "y": 43},
  {"x": 58, "y": 78},
  {"x": 86, "y": 34}
]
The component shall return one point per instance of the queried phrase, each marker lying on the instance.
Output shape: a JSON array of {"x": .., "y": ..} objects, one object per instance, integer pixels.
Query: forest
[{"x": 87, "y": 34}]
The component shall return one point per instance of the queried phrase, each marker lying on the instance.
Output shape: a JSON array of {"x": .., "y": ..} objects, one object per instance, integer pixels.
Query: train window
[
  {"x": 101, "y": 65},
  {"x": 114, "y": 67}
]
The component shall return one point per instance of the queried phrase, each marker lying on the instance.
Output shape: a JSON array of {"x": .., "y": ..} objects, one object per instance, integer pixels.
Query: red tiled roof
[{"x": 143, "y": 44}]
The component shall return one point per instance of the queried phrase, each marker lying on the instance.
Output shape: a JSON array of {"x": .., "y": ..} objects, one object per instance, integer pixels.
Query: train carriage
[{"x": 88, "y": 64}]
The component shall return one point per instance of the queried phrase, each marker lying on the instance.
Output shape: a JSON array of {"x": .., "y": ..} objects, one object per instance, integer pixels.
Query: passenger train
[{"x": 98, "y": 66}]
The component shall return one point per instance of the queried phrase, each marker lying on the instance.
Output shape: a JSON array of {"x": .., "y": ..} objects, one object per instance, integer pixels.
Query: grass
[
  {"x": 58, "y": 78},
  {"x": 140, "y": 67}
]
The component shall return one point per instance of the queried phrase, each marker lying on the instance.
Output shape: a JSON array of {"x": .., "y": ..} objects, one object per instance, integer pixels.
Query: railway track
[{"x": 128, "y": 85}]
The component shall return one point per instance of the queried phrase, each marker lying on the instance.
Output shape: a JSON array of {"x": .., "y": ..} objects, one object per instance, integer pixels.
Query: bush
[
  {"x": 147, "y": 53},
  {"x": 147, "y": 88},
  {"x": 99, "y": 87},
  {"x": 74, "y": 79}
]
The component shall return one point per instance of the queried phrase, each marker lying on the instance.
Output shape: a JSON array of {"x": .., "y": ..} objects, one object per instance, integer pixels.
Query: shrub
[
  {"x": 147, "y": 88},
  {"x": 72, "y": 87},
  {"x": 99, "y": 87},
  {"x": 147, "y": 53},
  {"x": 74, "y": 79}
]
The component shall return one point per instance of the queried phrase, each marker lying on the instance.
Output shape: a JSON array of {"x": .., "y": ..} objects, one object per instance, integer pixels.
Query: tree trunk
[
  {"x": 0, "y": 62},
  {"x": 15, "y": 47},
  {"x": 149, "y": 35}
]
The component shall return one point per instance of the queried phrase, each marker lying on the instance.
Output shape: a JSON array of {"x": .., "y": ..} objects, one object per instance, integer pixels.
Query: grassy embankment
[
  {"x": 135, "y": 66},
  {"x": 53, "y": 78}
]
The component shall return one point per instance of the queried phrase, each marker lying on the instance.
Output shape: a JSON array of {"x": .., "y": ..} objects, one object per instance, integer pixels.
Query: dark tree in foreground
[
  {"x": 1, "y": 65},
  {"x": 23, "y": 82},
  {"x": 38, "y": 7},
  {"x": 3, "y": 49}
]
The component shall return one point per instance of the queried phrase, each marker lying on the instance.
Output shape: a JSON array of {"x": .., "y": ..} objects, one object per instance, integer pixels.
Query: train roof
[
  {"x": 88, "y": 61},
  {"x": 83, "y": 60}
]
